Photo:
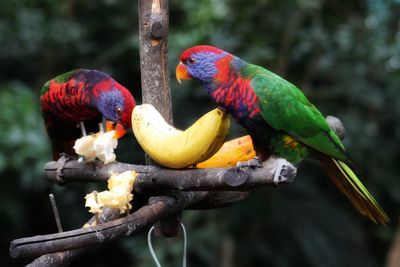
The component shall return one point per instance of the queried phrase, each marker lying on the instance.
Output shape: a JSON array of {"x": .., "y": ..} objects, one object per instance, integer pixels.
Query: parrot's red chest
[{"x": 239, "y": 99}]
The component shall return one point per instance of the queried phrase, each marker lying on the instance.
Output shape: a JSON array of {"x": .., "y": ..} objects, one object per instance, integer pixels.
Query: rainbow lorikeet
[
  {"x": 86, "y": 96},
  {"x": 279, "y": 118}
]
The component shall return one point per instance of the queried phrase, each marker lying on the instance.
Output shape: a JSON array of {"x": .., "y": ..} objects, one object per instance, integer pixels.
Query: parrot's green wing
[{"x": 286, "y": 108}]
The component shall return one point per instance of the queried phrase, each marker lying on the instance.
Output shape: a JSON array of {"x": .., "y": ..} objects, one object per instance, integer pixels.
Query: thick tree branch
[
  {"x": 153, "y": 40},
  {"x": 78, "y": 241},
  {"x": 154, "y": 69},
  {"x": 150, "y": 178},
  {"x": 153, "y": 178},
  {"x": 84, "y": 237},
  {"x": 65, "y": 258}
]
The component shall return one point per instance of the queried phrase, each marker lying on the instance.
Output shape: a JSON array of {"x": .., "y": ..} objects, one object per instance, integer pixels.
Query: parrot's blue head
[
  {"x": 209, "y": 65},
  {"x": 201, "y": 63},
  {"x": 115, "y": 103}
]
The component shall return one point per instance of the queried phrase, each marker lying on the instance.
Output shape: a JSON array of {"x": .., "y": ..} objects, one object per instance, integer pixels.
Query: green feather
[
  {"x": 286, "y": 109},
  {"x": 59, "y": 79},
  {"x": 350, "y": 185}
]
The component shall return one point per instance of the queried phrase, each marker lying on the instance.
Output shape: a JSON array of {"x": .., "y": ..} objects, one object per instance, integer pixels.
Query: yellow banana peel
[{"x": 175, "y": 148}]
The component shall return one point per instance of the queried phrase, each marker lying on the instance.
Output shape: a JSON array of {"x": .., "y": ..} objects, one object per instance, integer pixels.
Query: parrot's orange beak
[
  {"x": 181, "y": 72},
  {"x": 119, "y": 129}
]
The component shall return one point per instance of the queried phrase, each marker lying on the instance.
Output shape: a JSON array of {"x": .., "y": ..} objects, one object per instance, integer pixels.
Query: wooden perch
[
  {"x": 65, "y": 258},
  {"x": 153, "y": 178},
  {"x": 154, "y": 69},
  {"x": 150, "y": 178},
  {"x": 155, "y": 76},
  {"x": 84, "y": 237},
  {"x": 58, "y": 256}
]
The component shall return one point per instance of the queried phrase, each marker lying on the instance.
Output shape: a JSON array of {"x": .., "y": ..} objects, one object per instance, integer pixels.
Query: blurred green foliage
[{"x": 345, "y": 55}]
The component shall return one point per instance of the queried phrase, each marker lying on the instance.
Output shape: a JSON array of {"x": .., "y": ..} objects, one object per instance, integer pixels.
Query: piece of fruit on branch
[
  {"x": 100, "y": 145},
  {"x": 174, "y": 148},
  {"x": 83, "y": 98},
  {"x": 118, "y": 196},
  {"x": 237, "y": 150},
  {"x": 278, "y": 116}
]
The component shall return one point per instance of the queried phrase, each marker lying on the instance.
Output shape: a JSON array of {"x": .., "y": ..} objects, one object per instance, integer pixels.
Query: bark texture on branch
[
  {"x": 65, "y": 258},
  {"x": 153, "y": 178},
  {"x": 154, "y": 69},
  {"x": 61, "y": 249},
  {"x": 150, "y": 178},
  {"x": 84, "y": 237},
  {"x": 153, "y": 39}
]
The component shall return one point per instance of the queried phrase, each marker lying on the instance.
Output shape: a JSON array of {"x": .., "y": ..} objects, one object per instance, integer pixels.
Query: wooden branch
[
  {"x": 393, "y": 256},
  {"x": 153, "y": 178},
  {"x": 77, "y": 239},
  {"x": 65, "y": 258},
  {"x": 150, "y": 178},
  {"x": 73, "y": 240},
  {"x": 154, "y": 69}
]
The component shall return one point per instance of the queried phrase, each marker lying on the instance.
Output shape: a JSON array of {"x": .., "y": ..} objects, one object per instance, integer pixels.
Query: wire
[
  {"x": 153, "y": 253},
  {"x": 184, "y": 245}
]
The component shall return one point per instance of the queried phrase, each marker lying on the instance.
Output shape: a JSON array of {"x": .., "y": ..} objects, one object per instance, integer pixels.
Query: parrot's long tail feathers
[{"x": 349, "y": 184}]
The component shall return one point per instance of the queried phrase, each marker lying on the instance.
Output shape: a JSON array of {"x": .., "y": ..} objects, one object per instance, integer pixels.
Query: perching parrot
[
  {"x": 279, "y": 118},
  {"x": 86, "y": 96}
]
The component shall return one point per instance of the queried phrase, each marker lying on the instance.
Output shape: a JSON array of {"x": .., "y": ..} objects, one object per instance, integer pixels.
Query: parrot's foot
[
  {"x": 285, "y": 172},
  {"x": 282, "y": 171},
  {"x": 83, "y": 129},
  {"x": 62, "y": 160},
  {"x": 238, "y": 175},
  {"x": 253, "y": 163}
]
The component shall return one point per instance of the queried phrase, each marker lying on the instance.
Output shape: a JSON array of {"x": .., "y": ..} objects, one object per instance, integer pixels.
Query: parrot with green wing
[{"x": 280, "y": 119}]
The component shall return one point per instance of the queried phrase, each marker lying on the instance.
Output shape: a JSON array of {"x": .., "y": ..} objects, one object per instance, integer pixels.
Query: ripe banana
[
  {"x": 174, "y": 148},
  {"x": 233, "y": 151}
]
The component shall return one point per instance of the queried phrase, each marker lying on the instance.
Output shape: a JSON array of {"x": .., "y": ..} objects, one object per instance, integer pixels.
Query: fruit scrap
[
  {"x": 118, "y": 196},
  {"x": 174, "y": 148},
  {"x": 231, "y": 152},
  {"x": 100, "y": 145}
]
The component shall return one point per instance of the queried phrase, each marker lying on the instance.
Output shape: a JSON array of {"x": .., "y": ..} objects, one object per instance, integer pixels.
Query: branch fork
[{"x": 172, "y": 190}]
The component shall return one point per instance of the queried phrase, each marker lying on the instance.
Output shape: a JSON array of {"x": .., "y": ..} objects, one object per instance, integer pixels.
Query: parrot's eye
[
  {"x": 191, "y": 60},
  {"x": 118, "y": 111}
]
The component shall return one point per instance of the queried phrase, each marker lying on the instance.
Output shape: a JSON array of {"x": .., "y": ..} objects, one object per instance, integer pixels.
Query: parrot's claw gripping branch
[
  {"x": 253, "y": 163},
  {"x": 283, "y": 171},
  {"x": 64, "y": 158}
]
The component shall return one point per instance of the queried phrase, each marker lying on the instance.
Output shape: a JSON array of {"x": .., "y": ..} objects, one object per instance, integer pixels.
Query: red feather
[{"x": 200, "y": 48}]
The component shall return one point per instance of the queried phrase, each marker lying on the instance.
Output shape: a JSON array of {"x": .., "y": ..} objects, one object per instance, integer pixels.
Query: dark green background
[{"x": 345, "y": 55}]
